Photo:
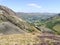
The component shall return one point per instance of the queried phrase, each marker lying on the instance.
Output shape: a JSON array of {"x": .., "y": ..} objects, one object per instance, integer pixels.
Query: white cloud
[{"x": 34, "y": 5}]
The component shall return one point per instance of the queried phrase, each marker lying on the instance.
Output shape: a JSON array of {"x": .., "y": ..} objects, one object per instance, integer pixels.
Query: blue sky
[{"x": 52, "y": 6}]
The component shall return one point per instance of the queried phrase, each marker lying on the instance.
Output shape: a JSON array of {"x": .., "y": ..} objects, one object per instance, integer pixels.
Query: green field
[{"x": 57, "y": 28}]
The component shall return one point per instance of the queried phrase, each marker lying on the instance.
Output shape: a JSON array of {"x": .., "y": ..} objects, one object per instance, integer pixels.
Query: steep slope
[{"x": 10, "y": 23}]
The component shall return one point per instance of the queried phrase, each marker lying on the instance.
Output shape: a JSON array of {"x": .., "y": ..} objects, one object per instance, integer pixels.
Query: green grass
[
  {"x": 57, "y": 28},
  {"x": 1, "y": 21},
  {"x": 54, "y": 25}
]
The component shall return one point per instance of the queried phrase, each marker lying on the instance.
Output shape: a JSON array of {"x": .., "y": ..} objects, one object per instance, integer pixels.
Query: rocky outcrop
[{"x": 7, "y": 10}]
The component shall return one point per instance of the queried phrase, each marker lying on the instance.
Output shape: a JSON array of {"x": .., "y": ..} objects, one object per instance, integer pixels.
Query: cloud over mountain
[{"x": 34, "y": 5}]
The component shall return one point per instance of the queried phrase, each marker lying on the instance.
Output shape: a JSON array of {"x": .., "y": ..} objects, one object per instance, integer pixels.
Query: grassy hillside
[
  {"x": 54, "y": 24},
  {"x": 57, "y": 28},
  {"x": 11, "y": 23},
  {"x": 29, "y": 39},
  {"x": 19, "y": 39}
]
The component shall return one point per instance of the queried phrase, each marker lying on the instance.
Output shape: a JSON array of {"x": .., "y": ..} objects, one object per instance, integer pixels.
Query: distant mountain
[{"x": 31, "y": 17}]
